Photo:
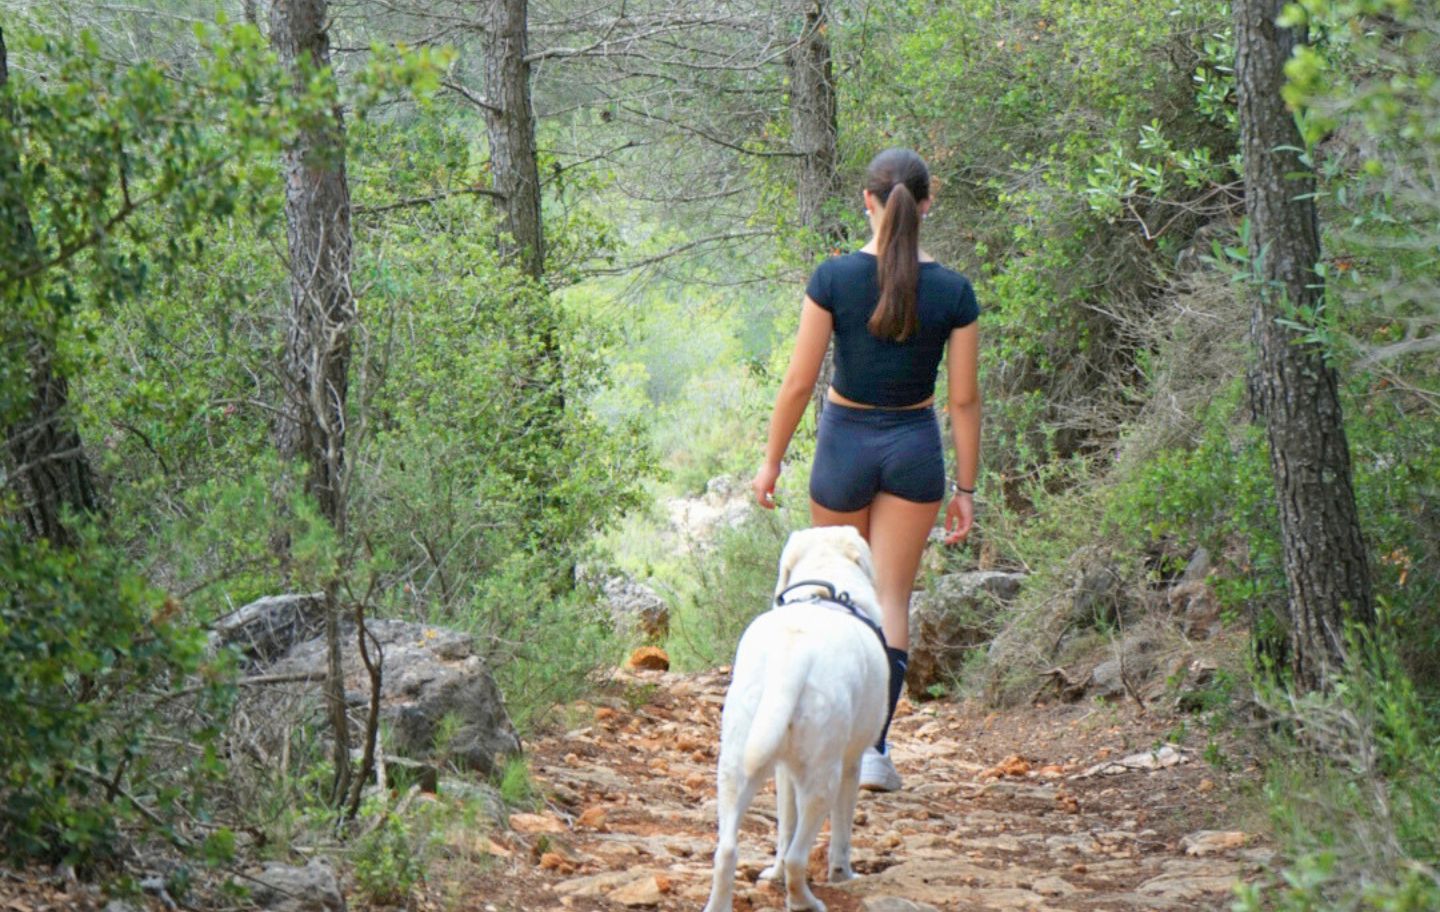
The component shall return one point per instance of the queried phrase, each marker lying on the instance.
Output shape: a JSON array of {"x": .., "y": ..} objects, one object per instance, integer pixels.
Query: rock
[
  {"x": 1195, "y": 693},
  {"x": 269, "y": 627},
  {"x": 637, "y": 610},
  {"x": 1197, "y": 569},
  {"x": 1098, "y": 595},
  {"x": 648, "y": 658},
  {"x": 642, "y": 892},
  {"x": 696, "y": 520},
  {"x": 537, "y": 823},
  {"x": 594, "y": 885},
  {"x": 592, "y": 818},
  {"x": 1190, "y": 881},
  {"x": 1106, "y": 680},
  {"x": 1052, "y": 886},
  {"x": 950, "y": 620},
  {"x": 1167, "y": 755},
  {"x": 1210, "y": 842},
  {"x": 483, "y": 795},
  {"x": 433, "y": 683},
  {"x": 893, "y": 904},
  {"x": 285, "y": 888},
  {"x": 1196, "y": 604}
]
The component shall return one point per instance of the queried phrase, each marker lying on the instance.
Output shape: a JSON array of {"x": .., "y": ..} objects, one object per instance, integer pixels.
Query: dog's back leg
[
  {"x": 811, "y": 806},
  {"x": 842, "y": 819},
  {"x": 734, "y": 791},
  {"x": 784, "y": 822}
]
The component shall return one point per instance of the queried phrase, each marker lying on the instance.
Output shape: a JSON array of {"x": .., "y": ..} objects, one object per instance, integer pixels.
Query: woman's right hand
[
  {"x": 763, "y": 484},
  {"x": 959, "y": 518}
]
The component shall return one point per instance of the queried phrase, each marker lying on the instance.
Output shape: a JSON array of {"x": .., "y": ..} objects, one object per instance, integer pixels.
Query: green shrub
[
  {"x": 731, "y": 582},
  {"x": 1354, "y": 792},
  {"x": 87, "y": 651},
  {"x": 389, "y": 860}
]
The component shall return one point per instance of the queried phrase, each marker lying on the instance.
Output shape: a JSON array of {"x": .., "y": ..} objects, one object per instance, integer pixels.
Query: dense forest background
[{"x": 543, "y": 281}]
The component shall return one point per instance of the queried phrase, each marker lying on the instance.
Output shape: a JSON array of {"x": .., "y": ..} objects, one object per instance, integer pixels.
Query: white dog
[{"x": 807, "y": 696}]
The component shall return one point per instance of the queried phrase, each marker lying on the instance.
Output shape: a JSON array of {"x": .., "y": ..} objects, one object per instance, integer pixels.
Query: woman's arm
[
  {"x": 963, "y": 405},
  {"x": 811, "y": 341}
]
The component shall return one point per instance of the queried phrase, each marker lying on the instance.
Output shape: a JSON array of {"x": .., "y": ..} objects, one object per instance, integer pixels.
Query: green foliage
[
  {"x": 1067, "y": 190},
  {"x": 733, "y": 581},
  {"x": 1355, "y": 792},
  {"x": 1367, "y": 91},
  {"x": 517, "y": 788},
  {"x": 389, "y": 860},
  {"x": 1215, "y": 492},
  {"x": 88, "y": 651}
]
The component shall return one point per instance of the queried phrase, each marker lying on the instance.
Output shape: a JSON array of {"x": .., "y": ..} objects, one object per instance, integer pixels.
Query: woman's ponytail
[{"x": 900, "y": 179}]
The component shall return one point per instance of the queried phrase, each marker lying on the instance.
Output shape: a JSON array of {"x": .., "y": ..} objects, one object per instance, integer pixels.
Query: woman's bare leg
[{"x": 898, "y": 530}]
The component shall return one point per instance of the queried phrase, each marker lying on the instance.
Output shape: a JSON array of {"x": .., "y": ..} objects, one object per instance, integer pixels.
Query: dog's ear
[
  {"x": 858, "y": 551},
  {"x": 789, "y": 557}
]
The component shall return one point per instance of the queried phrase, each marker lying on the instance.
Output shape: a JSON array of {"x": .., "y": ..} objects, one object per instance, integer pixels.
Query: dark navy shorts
[{"x": 860, "y": 452}]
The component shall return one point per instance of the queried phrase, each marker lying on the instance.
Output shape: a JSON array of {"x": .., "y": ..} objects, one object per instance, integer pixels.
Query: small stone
[
  {"x": 648, "y": 658},
  {"x": 894, "y": 904},
  {"x": 696, "y": 781},
  {"x": 1052, "y": 886},
  {"x": 1209, "y": 842},
  {"x": 536, "y": 823},
  {"x": 643, "y": 892},
  {"x": 606, "y": 714},
  {"x": 592, "y": 817},
  {"x": 554, "y": 861}
]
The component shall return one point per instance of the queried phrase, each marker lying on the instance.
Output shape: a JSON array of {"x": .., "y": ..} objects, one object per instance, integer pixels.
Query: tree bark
[
  {"x": 510, "y": 126},
  {"x": 47, "y": 469},
  {"x": 1293, "y": 390},
  {"x": 813, "y": 132},
  {"x": 316, "y": 360},
  {"x": 322, "y": 306}
]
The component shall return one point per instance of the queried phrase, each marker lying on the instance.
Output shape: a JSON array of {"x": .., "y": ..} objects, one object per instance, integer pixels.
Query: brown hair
[{"x": 900, "y": 180}]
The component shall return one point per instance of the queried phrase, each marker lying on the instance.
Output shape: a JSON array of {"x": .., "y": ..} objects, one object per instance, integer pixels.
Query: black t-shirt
[{"x": 877, "y": 371}]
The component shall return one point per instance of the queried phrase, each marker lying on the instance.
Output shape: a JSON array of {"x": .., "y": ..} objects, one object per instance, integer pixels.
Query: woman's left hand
[{"x": 959, "y": 517}]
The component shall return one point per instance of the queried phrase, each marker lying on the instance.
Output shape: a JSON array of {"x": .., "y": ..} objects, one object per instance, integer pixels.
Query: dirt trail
[{"x": 997, "y": 813}]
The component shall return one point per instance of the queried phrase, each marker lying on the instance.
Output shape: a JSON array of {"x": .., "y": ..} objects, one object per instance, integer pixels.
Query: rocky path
[{"x": 1041, "y": 809}]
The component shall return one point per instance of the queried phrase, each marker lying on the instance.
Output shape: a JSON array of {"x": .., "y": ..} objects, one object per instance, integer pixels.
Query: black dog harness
[{"x": 839, "y": 600}]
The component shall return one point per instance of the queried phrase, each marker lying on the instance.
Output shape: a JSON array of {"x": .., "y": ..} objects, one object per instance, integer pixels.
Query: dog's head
[{"x": 826, "y": 551}]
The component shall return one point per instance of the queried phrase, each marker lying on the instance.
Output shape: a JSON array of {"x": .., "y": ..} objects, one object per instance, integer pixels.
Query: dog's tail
[{"x": 784, "y": 680}]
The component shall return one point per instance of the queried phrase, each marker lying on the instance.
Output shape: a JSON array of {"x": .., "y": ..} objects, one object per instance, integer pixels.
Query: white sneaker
[{"x": 877, "y": 773}]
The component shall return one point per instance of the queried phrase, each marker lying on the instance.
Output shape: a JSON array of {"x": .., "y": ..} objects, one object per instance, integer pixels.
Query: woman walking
[{"x": 879, "y": 463}]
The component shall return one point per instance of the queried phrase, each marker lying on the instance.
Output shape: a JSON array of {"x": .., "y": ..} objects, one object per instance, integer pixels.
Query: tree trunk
[
  {"x": 47, "y": 469},
  {"x": 1292, "y": 387},
  {"x": 322, "y": 308},
  {"x": 813, "y": 132},
  {"x": 510, "y": 126}
]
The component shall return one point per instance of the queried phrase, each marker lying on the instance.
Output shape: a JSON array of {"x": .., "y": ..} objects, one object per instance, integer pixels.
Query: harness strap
[{"x": 840, "y": 599}]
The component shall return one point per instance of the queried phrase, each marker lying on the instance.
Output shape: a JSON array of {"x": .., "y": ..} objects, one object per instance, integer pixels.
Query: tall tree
[
  {"x": 316, "y": 364},
  {"x": 1292, "y": 387},
  {"x": 510, "y": 128},
  {"x": 813, "y": 135},
  {"x": 813, "y": 127},
  {"x": 47, "y": 469}
]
